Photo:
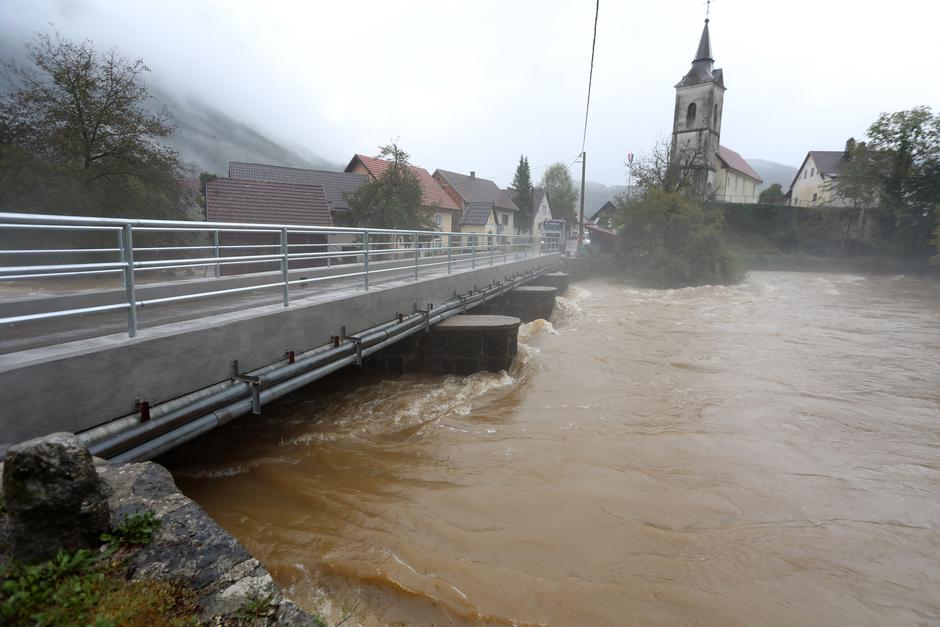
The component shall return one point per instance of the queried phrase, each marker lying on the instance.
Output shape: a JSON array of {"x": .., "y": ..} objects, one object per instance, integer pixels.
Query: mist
[{"x": 471, "y": 87}]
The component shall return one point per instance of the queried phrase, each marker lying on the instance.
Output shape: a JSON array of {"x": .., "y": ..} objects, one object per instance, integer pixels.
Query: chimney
[
  {"x": 849, "y": 147},
  {"x": 473, "y": 174}
]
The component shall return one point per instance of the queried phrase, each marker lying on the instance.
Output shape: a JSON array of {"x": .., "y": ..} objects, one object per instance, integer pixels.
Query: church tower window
[
  {"x": 690, "y": 114},
  {"x": 715, "y": 115}
]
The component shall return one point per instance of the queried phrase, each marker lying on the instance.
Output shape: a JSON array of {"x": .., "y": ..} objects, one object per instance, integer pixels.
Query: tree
[
  {"x": 393, "y": 199},
  {"x": 659, "y": 170},
  {"x": 898, "y": 172},
  {"x": 561, "y": 192},
  {"x": 524, "y": 194},
  {"x": 773, "y": 195},
  {"x": 76, "y": 123},
  {"x": 668, "y": 240}
]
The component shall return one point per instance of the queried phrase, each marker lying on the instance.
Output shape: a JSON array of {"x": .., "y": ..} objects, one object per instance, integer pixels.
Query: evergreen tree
[{"x": 522, "y": 184}]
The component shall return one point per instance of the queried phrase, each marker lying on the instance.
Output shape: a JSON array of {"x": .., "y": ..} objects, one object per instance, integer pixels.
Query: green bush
[{"x": 667, "y": 240}]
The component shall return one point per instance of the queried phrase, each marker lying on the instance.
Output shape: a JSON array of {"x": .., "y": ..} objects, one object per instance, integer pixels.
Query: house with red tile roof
[{"x": 433, "y": 198}]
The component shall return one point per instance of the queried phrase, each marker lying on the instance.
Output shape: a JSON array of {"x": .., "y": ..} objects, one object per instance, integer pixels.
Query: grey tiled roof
[
  {"x": 474, "y": 189},
  {"x": 231, "y": 200},
  {"x": 334, "y": 184},
  {"x": 476, "y": 214},
  {"x": 829, "y": 162}
]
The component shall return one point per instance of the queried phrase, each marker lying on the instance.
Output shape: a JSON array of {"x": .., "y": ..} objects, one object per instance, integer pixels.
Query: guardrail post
[
  {"x": 492, "y": 251},
  {"x": 127, "y": 254},
  {"x": 218, "y": 252},
  {"x": 328, "y": 256},
  {"x": 473, "y": 252},
  {"x": 450, "y": 253},
  {"x": 416, "y": 255},
  {"x": 285, "y": 271},
  {"x": 120, "y": 236},
  {"x": 365, "y": 259}
]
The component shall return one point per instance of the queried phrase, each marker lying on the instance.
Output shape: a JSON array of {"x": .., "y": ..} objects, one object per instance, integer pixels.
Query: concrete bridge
[{"x": 138, "y": 335}]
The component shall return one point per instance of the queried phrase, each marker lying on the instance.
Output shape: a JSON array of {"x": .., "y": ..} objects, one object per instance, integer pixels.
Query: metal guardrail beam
[{"x": 359, "y": 246}]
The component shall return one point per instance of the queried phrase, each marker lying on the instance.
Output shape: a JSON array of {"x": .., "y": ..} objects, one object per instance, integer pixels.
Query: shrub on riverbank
[
  {"x": 667, "y": 240},
  {"x": 84, "y": 587}
]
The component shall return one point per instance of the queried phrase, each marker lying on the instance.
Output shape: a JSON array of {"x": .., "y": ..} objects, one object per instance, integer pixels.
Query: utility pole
[{"x": 581, "y": 220}]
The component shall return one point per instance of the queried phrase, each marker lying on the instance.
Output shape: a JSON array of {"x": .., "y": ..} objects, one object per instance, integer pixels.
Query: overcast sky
[{"x": 472, "y": 85}]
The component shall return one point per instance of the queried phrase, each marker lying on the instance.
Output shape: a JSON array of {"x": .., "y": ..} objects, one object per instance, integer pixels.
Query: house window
[
  {"x": 690, "y": 114},
  {"x": 814, "y": 196},
  {"x": 805, "y": 172},
  {"x": 505, "y": 219},
  {"x": 812, "y": 172},
  {"x": 438, "y": 219}
]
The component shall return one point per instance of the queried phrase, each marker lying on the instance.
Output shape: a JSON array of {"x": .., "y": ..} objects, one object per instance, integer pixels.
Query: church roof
[{"x": 736, "y": 162}]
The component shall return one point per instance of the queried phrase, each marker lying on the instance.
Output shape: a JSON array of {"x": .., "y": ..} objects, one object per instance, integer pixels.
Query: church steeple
[
  {"x": 702, "y": 65},
  {"x": 704, "y": 46},
  {"x": 696, "y": 127}
]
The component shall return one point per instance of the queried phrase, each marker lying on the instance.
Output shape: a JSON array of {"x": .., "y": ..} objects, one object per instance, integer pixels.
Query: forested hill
[
  {"x": 208, "y": 139},
  {"x": 773, "y": 172}
]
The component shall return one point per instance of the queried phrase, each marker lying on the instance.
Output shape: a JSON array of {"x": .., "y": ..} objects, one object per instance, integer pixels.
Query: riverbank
[{"x": 164, "y": 560}]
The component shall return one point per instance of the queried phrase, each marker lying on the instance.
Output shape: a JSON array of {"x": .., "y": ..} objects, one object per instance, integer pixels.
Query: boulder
[{"x": 53, "y": 497}]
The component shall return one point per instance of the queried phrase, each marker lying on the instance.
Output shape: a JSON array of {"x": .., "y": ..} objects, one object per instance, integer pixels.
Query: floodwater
[{"x": 762, "y": 454}]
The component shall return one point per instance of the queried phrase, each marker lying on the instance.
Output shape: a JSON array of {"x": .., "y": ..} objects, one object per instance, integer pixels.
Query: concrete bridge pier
[
  {"x": 526, "y": 302},
  {"x": 558, "y": 280},
  {"x": 460, "y": 345}
]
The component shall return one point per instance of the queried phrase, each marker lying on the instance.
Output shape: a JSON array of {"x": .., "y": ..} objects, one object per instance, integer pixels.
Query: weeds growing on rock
[
  {"x": 134, "y": 530},
  {"x": 256, "y": 608}
]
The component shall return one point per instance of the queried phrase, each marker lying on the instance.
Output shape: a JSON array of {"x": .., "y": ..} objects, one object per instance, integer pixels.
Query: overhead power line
[{"x": 587, "y": 108}]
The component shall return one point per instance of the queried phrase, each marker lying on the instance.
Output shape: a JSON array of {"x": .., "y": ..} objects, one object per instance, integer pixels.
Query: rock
[
  {"x": 191, "y": 547},
  {"x": 53, "y": 497}
]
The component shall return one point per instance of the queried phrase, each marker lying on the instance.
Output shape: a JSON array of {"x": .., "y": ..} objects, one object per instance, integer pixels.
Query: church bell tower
[{"x": 696, "y": 127}]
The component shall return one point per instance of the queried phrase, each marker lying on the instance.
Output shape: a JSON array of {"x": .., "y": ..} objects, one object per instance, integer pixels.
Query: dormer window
[{"x": 690, "y": 114}]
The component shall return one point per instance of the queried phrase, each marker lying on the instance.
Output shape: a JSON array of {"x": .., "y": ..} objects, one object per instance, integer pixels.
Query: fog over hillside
[
  {"x": 207, "y": 139},
  {"x": 773, "y": 172}
]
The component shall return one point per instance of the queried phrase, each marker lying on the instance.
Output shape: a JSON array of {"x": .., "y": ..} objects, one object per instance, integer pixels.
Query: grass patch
[
  {"x": 85, "y": 588},
  {"x": 89, "y": 588}
]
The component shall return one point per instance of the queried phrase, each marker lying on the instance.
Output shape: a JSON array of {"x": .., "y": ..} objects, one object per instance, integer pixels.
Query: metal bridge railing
[{"x": 144, "y": 251}]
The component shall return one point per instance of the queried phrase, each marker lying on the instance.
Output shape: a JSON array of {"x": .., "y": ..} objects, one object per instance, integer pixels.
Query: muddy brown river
[{"x": 762, "y": 454}]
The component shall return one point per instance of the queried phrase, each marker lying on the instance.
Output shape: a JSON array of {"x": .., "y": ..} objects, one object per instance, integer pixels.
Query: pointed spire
[
  {"x": 704, "y": 46},
  {"x": 703, "y": 64}
]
